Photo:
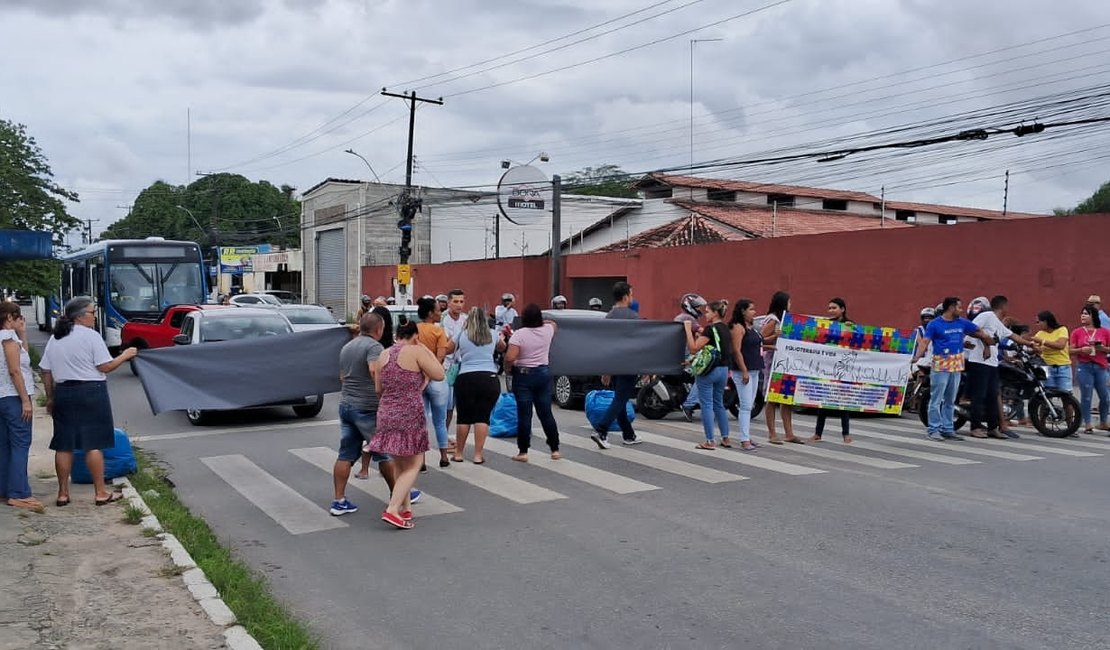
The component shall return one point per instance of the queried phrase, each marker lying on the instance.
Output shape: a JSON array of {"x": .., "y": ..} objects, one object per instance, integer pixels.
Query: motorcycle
[
  {"x": 663, "y": 394},
  {"x": 1054, "y": 413}
]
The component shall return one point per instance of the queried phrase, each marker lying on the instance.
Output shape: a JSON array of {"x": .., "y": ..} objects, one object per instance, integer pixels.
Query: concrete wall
[{"x": 886, "y": 276}]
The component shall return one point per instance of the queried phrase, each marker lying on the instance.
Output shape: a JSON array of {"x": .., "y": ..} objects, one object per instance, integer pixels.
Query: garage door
[{"x": 331, "y": 271}]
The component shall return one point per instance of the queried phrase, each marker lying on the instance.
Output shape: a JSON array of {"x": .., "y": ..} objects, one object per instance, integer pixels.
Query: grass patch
[
  {"x": 171, "y": 571},
  {"x": 151, "y": 532},
  {"x": 244, "y": 591},
  {"x": 133, "y": 514}
]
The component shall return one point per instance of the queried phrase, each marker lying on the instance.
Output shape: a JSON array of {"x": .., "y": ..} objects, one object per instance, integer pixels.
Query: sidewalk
[{"x": 78, "y": 577}]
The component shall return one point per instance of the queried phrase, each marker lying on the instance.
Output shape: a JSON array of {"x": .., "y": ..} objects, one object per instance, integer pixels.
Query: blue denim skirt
[{"x": 82, "y": 416}]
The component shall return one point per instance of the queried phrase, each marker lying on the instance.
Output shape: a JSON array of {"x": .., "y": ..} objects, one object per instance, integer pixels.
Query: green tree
[
  {"x": 215, "y": 210},
  {"x": 31, "y": 200},
  {"x": 603, "y": 180},
  {"x": 1097, "y": 202}
]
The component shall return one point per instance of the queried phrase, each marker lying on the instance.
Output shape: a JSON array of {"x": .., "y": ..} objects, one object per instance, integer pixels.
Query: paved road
[{"x": 895, "y": 542}]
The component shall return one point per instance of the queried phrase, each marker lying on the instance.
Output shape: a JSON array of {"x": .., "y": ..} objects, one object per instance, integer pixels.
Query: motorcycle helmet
[
  {"x": 978, "y": 306},
  {"x": 559, "y": 300},
  {"x": 595, "y": 303},
  {"x": 441, "y": 297},
  {"x": 507, "y": 297},
  {"x": 692, "y": 304},
  {"x": 928, "y": 312},
  {"x": 365, "y": 299}
]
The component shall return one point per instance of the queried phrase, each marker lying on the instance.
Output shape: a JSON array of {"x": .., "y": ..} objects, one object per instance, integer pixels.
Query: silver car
[{"x": 210, "y": 326}]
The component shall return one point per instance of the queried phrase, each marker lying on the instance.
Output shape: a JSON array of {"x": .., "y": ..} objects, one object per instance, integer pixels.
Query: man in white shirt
[
  {"x": 982, "y": 373},
  {"x": 504, "y": 314},
  {"x": 453, "y": 321}
]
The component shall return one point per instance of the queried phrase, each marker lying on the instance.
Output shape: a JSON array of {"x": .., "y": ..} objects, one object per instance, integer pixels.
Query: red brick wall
[{"x": 885, "y": 276}]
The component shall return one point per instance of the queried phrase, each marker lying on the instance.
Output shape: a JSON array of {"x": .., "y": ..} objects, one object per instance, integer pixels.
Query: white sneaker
[
  {"x": 602, "y": 443},
  {"x": 633, "y": 441}
]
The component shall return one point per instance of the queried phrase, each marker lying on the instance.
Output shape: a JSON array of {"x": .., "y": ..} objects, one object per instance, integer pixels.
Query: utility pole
[
  {"x": 1006, "y": 193},
  {"x": 556, "y": 231},
  {"x": 409, "y": 205},
  {"x": 694, "y": 41},
  {"x": 882, "y": 207},
  {"x": 497, "y": 236}
]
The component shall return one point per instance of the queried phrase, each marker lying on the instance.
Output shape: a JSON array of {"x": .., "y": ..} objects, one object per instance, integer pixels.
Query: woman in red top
[{"x": 1089, "y": 344}]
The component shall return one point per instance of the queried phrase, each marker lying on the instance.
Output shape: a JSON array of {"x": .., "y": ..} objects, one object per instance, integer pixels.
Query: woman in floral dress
[{"x": 401, "y": 373}]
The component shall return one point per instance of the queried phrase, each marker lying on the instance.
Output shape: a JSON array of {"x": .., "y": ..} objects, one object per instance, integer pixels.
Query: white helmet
[
  {"x": 692, "y": 304},
  {"x": 507, "y": 296},
  {"x": 559, "y": 300},
  {"x": 928, "y": 311},
  {"x": 595, "y": 302},
  {"x": 441, "y": 297}
]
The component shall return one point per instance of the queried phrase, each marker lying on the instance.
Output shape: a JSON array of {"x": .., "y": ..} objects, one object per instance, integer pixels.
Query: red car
[{"x": 158, "y": 333}]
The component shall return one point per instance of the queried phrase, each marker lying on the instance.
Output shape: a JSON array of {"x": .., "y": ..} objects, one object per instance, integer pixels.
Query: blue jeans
[
  {"x": 944, "y": 387},
  {"x": 532, "y": 388},
  {"x": 357, "y": 426},
  {"x": 1093, "y": 377},
  {"x": 435, "y": 410},
  {"x": 746, "y": 393},
  {"x": 15, "y": 446},
  {"x": 711, "y": 396},
  {"x": 1059, "y": 377},
  {"x": 624, "y": 388}
]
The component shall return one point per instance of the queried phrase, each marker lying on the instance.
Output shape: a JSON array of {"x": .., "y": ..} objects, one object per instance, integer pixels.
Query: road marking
[
  {"x": 1037, "y": 445},
  {"x": 577, "y": 471},
  {"x": 1046, "y": 448},
  {"x": 661, "y": 463},
  {"x": 203, "y": 433},
  {"x": 913, "y": 453},
  {"x": 958, "y": 447},
  {"x": 503, "y": 485},
  {"x": 324, "y": 458},
  {"x": 741, "y": 457},
  {"x": 845, "y": 457},
  {"x": 283, "y": 504}
]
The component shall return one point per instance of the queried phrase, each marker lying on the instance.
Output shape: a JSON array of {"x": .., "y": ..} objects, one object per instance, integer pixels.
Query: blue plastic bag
[
  {"x": 597, "y": 403},
  {"x": 502, "y": 422},
  {"x": 118, "y": 461}
]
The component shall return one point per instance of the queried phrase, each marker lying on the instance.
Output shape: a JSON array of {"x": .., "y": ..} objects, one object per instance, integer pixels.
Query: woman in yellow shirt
[{"x": 1052, "y": 344}]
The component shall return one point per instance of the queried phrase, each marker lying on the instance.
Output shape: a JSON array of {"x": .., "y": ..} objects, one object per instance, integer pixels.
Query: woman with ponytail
[
  {"x": 74, "y": 367},
  {"x": 710, "y": 385}
]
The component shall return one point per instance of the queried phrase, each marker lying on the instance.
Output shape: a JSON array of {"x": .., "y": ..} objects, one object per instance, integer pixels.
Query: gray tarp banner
[
  {"x": 595, "y": 346},
  {"x": 238, "y": 374}
]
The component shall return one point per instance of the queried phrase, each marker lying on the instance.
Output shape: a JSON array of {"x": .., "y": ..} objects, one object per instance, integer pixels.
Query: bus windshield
[{"x": 139, "y": 286}]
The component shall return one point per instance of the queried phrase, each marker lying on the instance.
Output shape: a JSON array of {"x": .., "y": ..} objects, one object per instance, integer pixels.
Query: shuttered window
[{"x": 331, "y": 271}]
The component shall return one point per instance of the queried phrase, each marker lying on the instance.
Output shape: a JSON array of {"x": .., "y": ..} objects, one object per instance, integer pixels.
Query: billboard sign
[
  {"x": 524, "y": 195},
  {"x": 237, "y": 259}
]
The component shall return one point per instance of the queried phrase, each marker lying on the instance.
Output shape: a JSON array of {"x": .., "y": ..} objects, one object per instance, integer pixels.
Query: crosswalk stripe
[
  {"x": 913, "y": 453},
  {"x": 1058, "y": 445},
  {"x": 375, "y": 487},
  {"x": 1085, "y": 443},
  {"x": 1047, "y": 448},
  {"x": 846, "y": 457},
  {"x": 204, "y": 433},
  {"x": 503, "y": 485},
  {"x": 740, "y": 457},
  {"x": 283, "y": 504},
  {"x": 661, "y": 463},
  {"x": 957, "y": 447},
  {"x": 577, "y": 471}
]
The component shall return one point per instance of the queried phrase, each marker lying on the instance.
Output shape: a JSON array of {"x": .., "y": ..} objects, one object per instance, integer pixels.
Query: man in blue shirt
[{"x": 946, "y": 333}]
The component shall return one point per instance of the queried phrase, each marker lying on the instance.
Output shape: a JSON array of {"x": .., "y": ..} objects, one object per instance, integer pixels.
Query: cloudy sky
[{"x": 277, "y": 89}]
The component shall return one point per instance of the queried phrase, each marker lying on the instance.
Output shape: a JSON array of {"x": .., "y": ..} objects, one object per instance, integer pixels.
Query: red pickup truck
[{"x": 159, "y": 332}]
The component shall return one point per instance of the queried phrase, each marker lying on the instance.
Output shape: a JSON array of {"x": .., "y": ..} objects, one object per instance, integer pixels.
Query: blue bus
[{"x": 133, "y": 278}]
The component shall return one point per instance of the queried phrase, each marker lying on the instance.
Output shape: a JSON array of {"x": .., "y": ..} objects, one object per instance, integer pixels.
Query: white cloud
[{"x": 104, "y": 87}]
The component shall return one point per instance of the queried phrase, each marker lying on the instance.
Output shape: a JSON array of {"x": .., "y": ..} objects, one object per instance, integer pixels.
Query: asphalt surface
[{"x": 884, "y": 547}]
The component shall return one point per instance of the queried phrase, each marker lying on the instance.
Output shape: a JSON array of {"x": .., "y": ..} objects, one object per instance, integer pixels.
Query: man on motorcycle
[
  {"x": 559, "y": 302},
  {"x": 693, "y": 309},
  {"x": 923, "y": 347}
]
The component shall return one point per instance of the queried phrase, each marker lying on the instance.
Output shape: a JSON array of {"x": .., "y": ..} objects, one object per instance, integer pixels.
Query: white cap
[
  {"x": 595, "y": 302},
  {"x": 507, "y": 296}
]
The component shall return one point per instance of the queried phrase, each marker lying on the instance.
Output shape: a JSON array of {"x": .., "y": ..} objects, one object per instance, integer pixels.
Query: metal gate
[{"x": 331, "y": 271}]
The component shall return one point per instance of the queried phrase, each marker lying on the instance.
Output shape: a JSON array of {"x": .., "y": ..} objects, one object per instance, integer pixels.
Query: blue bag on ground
[
  {"x": 502, "y": 422},
  {"x": 597, "y": 403},
  {"x": 118, "y": 461}
]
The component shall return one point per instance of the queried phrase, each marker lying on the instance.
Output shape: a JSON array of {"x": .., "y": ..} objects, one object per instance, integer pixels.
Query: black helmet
[
  {"x": 365, "y": 299},
  {"x": 692, "y": 304}
]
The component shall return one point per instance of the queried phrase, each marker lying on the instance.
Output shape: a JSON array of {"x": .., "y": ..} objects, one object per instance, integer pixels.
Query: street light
[
  {"x": 692, "y": 41},
  {"x": 195, "y": 222},
  {"x": 541, "y": 156},
  {"x": 372, "y": 172}
]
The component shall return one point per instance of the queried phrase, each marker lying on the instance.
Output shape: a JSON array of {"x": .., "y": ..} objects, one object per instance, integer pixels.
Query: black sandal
[{"x": 112, "y": 498}]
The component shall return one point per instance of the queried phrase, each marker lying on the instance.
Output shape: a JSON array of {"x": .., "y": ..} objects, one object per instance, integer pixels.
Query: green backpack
[{"x": 705, "y": 359}]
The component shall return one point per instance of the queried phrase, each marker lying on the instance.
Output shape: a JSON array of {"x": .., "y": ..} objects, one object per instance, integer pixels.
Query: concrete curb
[{"x": 196, "y": 582}]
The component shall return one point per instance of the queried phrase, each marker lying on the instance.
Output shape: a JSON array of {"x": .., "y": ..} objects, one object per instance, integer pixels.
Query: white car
[
  {"x": 308, "y": 317},
  {"x": 210, "y": 326},
  {"x": 263, "y": 300}
]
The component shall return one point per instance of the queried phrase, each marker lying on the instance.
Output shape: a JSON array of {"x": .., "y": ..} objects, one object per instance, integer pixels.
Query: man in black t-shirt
[{"x": 623, "y": 386}]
